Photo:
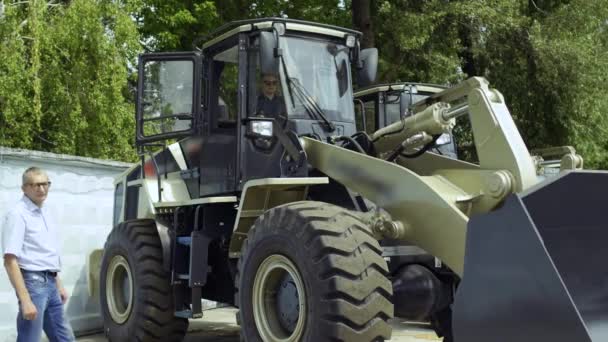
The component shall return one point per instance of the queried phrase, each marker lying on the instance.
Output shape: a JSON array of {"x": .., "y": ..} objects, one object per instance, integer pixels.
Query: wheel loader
[{"x": 286, "y": 215}]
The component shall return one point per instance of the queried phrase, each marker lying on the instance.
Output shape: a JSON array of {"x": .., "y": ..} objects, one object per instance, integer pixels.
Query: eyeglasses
[
  {"x": 45, "y": 185},
  {"x": 271, "y": 83}
]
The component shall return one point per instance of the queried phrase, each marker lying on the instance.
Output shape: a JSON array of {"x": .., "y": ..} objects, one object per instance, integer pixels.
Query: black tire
[
  {"x": 344, "y": 277},
  {"x": 133, "y": 252}
]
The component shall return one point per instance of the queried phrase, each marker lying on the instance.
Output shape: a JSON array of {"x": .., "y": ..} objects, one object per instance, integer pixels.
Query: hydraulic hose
[
  {"x": 352, "y": 141},
  {"x": 398, "y": 151}
]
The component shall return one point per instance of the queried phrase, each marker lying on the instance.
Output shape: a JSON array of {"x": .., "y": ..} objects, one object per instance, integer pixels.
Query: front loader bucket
[{"x": 536, "y": 269}]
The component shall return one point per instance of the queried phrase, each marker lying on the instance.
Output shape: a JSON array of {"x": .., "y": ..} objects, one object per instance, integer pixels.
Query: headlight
[{"x": 261, "y": 128}]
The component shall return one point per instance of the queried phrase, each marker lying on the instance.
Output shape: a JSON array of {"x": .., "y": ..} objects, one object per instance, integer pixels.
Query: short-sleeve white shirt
[{"x": 29, "y": 233}]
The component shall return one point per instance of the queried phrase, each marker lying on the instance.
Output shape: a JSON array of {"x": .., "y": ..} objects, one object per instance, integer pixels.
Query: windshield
[{"x": 321, "y": 70}]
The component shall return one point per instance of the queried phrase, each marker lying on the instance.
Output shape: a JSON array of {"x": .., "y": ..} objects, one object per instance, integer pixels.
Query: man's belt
[{"x": 44, "y": 272}]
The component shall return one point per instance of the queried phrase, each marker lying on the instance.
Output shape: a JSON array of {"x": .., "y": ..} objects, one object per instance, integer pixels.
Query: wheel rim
[
  {"x": 119, "y": 289},
  {"x": 276, "y": 278}
]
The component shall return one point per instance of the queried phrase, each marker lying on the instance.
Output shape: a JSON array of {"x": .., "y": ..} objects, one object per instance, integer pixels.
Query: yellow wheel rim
[
  {"x": 119, "y": 289},
  {"x": 269, "y": 277}
]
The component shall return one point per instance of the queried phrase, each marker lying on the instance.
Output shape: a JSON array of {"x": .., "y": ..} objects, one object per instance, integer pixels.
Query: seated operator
[{"x": 270, "y": 103}]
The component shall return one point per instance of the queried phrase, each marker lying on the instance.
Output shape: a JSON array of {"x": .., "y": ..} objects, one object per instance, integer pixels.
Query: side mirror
[
  {"x": 342, "y": 76},
  {"x": 367, "y": 74},
  {"x": 269, "y": 63}
]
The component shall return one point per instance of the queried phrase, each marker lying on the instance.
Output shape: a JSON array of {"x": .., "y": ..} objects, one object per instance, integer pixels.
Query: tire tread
[{"x": 350, "y": 267}]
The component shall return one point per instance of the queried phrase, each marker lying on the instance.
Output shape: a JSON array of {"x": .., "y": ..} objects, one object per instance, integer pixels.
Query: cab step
[{"x": 187, "y": 314}]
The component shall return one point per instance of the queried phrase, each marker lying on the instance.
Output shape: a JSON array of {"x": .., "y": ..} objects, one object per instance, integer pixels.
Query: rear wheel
[
  {"x": 135, "y": 293},
  {"x": 311, "y": 271}
]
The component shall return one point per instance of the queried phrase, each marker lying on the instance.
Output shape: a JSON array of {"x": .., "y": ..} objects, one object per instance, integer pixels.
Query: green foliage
[
  {"x": 67, "y": 67},
  {"x": 550, "y": 64},
  {"x": 575, "y": 63},
  {"x": 434, "y": 40},
  {"x": 548, "y": 57},
  {"x": 16, "y": 115},
  {"x": 172, "y": 25},
  {"x": 419, "y": 44},
  {"x": 64, "y": 78}
]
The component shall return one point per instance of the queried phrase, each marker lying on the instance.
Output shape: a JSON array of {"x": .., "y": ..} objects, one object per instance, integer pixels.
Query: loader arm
[
  {"x": 497, "y": 141},
  {"x": 431, "y": 206},
  {"x": 529, "y": 251},
  {"x": 411, "y": 200}
]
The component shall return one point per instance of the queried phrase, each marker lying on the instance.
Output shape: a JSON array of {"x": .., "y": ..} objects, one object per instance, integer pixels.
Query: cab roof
[
  {"x": 235, "y": 27},
  {"x": 416, "y": 87}
]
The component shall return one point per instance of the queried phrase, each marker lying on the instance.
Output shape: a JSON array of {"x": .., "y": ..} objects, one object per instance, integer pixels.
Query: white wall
[{"x": 81, "y": 198}]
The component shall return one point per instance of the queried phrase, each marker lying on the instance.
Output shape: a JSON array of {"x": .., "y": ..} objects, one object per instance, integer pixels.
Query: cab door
[
  {"x": 218, "y": 162},
  {"x": 168, "y": 96}
]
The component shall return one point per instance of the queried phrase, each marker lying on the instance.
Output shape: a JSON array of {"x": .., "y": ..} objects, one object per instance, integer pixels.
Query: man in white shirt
[{"x": 30, "y": 245}]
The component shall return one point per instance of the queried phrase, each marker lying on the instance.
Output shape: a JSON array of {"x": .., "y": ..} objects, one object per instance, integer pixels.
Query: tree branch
[{"x": 538, "y": 9}]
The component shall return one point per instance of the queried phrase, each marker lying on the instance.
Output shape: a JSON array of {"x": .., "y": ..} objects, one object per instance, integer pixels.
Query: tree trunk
[
  {"x": 469, "y": 67},
  {"x": 362, "y": 21}
]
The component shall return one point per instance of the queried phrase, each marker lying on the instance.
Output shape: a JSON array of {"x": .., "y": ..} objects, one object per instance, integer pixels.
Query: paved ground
[{"x": 219, "y": 325}]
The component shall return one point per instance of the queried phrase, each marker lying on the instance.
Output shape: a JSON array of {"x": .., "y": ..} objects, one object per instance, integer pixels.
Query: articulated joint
[{"x": 500, "y": 183}]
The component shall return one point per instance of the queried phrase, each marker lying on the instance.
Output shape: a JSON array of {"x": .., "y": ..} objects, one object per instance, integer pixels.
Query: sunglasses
[{"x": 269, "y": 83}]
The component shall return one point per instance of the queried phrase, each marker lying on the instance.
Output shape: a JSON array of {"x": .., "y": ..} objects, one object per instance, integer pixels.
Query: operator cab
[{"x": 209, "y": 100}]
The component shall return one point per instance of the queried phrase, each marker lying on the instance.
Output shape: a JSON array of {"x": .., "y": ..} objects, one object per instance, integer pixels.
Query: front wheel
[
  {"x": 135, "y": 293},
  {"x": 311, "y": 271}
]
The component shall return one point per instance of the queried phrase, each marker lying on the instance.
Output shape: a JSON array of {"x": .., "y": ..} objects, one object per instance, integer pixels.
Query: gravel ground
[{"x": 219, "y": 325}]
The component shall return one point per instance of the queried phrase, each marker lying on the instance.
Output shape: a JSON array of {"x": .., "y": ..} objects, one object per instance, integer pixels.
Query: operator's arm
[{"x": 13, "y": 234}]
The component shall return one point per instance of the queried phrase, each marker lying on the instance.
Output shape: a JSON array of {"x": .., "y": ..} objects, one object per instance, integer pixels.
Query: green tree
[
  {"x": 174, "y": 25},
  {"x": 63, "y": 79},
  {"x": 66, "y": 65},
  {"x": 551, "y": 66},
  {"x": 85, "y": 53},
  {"x": 434, "y": 41},
  {"x": 18, "y": 114},
  {"x": 548, "y": 57}
]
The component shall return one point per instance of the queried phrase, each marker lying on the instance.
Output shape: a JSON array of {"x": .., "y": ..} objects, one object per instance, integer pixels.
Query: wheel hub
[{"x": 288, "y": 305}]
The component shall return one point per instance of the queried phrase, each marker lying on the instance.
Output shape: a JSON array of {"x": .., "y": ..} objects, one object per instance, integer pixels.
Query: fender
[{"x": 260, "y": 195}]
